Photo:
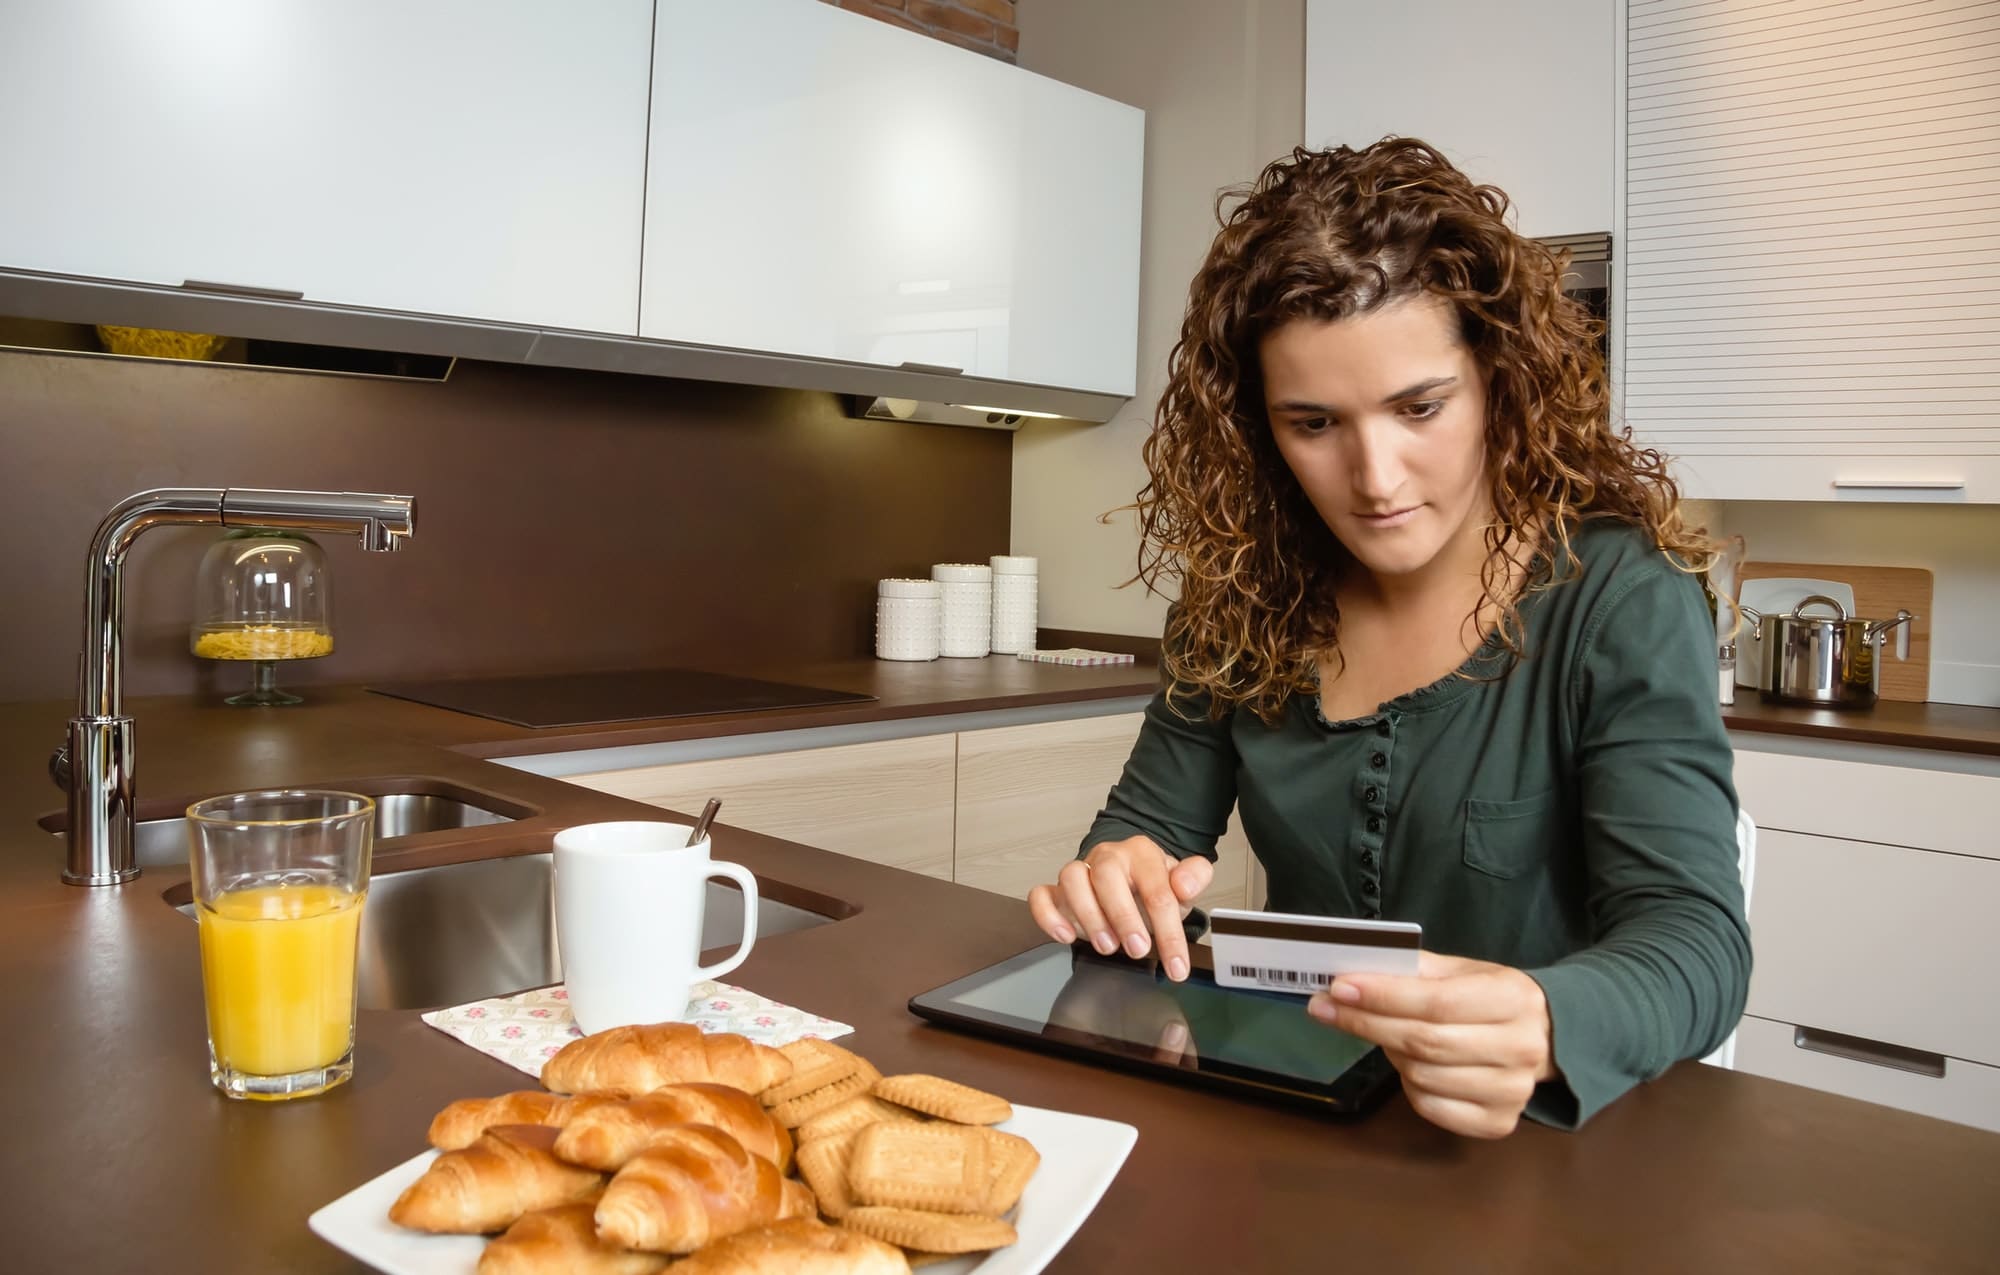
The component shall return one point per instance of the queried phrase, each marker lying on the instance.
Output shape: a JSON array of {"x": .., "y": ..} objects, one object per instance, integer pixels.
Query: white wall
[
  {"x": 1958, "y": 544},
  {"x": 1222, "y": 85}
]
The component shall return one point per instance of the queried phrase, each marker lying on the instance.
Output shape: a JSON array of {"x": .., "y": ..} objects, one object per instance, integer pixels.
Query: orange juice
[{"x": 277, "y": 964}]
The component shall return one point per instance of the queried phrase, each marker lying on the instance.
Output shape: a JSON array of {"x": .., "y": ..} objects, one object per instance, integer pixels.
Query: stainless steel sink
[
  {"x": 163, "y": 843},
  {"x": 465, "y": 931}
]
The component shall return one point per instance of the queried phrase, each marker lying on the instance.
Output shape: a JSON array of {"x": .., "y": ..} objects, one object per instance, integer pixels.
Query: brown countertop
[
  {"x": 124, "y": 1157},
  {"x": 1958, "y": 728}
]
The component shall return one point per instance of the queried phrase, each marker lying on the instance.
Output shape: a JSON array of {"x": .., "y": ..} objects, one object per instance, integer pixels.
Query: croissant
[
  {"x": 562, "y": 1241},
  {"x": 510, "y": 1170},
  {"x": 460, "y": 1124},
  {"x": 633, "y": 1060},
  {"x": 694, "y": 1185},
  {"x": 800, "y": 1246},
  {"x": 611, "y": 1133}
]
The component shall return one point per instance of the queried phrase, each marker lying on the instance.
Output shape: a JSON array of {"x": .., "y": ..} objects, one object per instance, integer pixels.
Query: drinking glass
[{"x": 279, "y": 882}]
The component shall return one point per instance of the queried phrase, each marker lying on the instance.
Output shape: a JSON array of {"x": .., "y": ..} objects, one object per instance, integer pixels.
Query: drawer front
[
  {"x": 1967, "y": 1092},
  {"x": 1896, "y": 805},
  {"x": 1877, "y": 941}
]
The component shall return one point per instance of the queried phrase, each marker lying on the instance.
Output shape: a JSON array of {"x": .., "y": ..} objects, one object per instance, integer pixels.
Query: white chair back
[{"x": 1746, "y": 867}]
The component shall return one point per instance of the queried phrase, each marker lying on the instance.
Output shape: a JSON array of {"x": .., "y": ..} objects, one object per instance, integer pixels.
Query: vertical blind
[{"x": 1813, "y": 227}]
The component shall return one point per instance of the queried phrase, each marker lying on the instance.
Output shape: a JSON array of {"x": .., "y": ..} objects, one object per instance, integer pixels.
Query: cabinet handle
[
  {"x": 939, "y": 369},
  {"x": 1878, "y": 1053},
  {"x": 1899, "y": 484},
  {"x": 242, "y": 290}
]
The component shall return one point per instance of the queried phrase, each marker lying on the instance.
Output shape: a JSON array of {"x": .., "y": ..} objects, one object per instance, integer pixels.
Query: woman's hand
[
  {"x": 1472, "y": 1039},
  {"x": 1127, "y": 894}
]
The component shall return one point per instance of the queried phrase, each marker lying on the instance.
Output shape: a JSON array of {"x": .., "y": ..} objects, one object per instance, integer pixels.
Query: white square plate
[{"x": 1080, "y": 1156}]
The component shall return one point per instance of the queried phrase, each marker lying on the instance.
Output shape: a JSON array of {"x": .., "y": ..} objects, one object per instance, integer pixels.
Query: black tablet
[{"x": 1069, "y": 1000}]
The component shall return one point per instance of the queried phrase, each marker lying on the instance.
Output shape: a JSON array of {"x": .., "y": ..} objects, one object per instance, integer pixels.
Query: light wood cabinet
[
  {"x": 1027, "y": 794},
  {"x": 888, "y": 801}
]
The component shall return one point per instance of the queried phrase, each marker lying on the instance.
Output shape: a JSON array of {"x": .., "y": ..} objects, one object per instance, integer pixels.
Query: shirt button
[
  {"x": 1368, "y": 888},
  {"x": 1371, "y": 914},
  {"x": 1378, "y": 761},
  {"x": 1371, "y": 794},
  {"x": 1367, "y": 858},
  {"x": 1374, "y": 823}
]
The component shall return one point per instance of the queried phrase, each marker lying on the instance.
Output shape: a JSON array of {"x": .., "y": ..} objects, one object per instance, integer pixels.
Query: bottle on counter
[
  {"x": 1725, "y": 672},
  {"x": 1014, "y": 588},
  {"x": 966, "y": 630},
  {"x": 907, "y": 619}
]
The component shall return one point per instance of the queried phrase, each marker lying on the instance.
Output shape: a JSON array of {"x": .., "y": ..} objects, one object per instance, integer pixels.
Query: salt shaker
[
  {"x": 907, "y": 617},
  {"x": 967, "y": 626},
  {"x": 1014, "y": 582},
  {"x": 1725, "y": 673}
]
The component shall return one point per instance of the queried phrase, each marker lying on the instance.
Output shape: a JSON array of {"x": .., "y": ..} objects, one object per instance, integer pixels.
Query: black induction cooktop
[{"x": 585, "y": 699}]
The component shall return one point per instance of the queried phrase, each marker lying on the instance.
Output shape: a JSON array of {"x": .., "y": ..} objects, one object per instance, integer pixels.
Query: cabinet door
[
  {"x": 1546, "y": 139},
  {"x": 1880, "y": 942},
  {"x": 1027, "y": 794},
  {"x": 888, "y": 802},
  {"x": 1811, "y": 304},
  {"x": 825, "y": 185},
  {"x": 477, "y": 158}
]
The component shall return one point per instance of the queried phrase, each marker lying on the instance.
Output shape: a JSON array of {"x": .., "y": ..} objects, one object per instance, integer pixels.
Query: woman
[{"x": 1440, "y": 640}]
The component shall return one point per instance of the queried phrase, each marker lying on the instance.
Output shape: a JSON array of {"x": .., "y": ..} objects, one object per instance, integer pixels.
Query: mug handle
[{"x": 741, "y": 876}]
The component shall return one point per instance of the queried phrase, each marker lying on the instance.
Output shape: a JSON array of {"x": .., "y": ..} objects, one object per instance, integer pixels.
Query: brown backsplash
[{"x": 565, "y": 520}]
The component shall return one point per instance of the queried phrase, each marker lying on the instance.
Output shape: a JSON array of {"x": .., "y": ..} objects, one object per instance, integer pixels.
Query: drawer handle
[{"x": 1861, "y": 1049}]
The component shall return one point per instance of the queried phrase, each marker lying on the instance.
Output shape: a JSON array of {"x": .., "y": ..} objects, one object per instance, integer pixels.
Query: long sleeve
[
  {"x": 1178, "y": 786},
  {"x": 1667, "y": 971}
]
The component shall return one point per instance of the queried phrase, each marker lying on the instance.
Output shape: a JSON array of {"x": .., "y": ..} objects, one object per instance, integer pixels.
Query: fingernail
[
  {"x": 1346, "y": 993},
  {"x": 1322, "y": 1009},
  {"x": 1104, "y": 943},
  {"x": 1177, "y": 968},
  {"x": 1135, "y": 945},
  {"x": 1063, "y": 934},
  {"x": 1175, "y": 1037}
]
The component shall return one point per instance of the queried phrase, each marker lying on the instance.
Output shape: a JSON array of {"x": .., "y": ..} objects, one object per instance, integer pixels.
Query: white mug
[{"x": 628, "y": 920}]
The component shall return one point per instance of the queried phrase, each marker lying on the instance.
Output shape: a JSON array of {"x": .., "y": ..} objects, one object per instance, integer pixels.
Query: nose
[{"x": 1375, "y": 465}]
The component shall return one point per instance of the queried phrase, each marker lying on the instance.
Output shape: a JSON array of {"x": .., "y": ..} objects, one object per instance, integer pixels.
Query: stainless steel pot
[{"x": 1825, "y": 661}]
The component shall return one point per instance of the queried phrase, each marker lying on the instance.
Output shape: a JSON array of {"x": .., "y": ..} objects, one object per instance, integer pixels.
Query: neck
[{"x": 1451, "y": 579}]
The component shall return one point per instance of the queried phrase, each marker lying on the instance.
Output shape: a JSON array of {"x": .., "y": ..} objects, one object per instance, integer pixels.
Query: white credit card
[{"x": 1288, "y": 952}]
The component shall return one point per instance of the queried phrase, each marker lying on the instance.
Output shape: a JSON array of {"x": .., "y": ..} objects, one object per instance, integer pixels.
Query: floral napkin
[{"x": 526, "y": 1030}]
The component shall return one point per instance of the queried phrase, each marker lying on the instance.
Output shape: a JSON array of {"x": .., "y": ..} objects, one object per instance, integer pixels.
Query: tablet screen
[{"x": 1070, "y": 994}]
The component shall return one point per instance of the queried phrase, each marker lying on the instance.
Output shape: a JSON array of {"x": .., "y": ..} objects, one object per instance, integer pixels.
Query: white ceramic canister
[
  {"x": 1014, "y": 585},
  {"x": 907, "y": 618},
  {"x": 967, "y": 626}
]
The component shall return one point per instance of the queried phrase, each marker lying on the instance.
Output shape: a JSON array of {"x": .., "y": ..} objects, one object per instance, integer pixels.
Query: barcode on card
[{"x": 1280, "y": 978}]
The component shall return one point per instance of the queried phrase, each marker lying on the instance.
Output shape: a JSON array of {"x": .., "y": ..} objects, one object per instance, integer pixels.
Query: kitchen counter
[
  {"x": 1959, "y": 728},
  {"x": 123, "y": 1156}
]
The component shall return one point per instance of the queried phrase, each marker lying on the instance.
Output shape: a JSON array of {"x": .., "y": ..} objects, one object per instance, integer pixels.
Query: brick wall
[{"x": 985, "y": 26}]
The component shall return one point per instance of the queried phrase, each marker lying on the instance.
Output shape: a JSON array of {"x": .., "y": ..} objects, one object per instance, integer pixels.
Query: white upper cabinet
[
  {"x": 475, "y": 158},
  {"x": 1519, "y": 96},
  {"x": 1812, "y": 250},
  {"x": 824, "y": 185}
]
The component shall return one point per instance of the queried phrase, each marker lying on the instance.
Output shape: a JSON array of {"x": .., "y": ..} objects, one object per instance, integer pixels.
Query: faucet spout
[{"x": 100, "y": 745}]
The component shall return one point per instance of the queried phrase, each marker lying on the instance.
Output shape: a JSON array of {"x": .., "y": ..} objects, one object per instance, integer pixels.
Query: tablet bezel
[{"x": 1354, "y": 1092}]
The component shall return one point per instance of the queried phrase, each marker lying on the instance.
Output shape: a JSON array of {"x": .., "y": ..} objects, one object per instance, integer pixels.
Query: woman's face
[{"x": 1382, "y": 418}]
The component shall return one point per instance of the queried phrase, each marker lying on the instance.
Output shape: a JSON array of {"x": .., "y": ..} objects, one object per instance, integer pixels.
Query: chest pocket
[{"x": 1507, "y": 838}]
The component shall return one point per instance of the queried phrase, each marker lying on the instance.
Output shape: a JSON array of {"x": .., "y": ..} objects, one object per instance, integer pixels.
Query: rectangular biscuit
[{"x": 940, "y": 1168}]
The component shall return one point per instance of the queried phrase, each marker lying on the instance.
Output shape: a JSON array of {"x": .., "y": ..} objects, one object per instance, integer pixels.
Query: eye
[
  {"x": 1310, "y": 424},
  {"x": 1424, "y": 409}
]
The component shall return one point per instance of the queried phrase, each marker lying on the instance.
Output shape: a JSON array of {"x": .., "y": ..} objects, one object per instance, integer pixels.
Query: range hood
[{"x": 909, "y": 392}]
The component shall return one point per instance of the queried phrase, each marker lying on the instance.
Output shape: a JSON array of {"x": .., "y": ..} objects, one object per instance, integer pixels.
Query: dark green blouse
[{"x": 1572, "y": 815}]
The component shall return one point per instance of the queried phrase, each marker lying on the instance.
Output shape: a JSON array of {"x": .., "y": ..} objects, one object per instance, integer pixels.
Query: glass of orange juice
[{"x": 279, "y": 881}]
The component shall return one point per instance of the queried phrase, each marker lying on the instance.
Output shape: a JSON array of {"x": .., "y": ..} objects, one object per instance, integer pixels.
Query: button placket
[{"x": 1371, "y": 830}]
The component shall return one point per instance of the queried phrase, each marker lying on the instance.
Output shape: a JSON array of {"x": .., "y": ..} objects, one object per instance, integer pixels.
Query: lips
[{"x": 1392, "y": 518}]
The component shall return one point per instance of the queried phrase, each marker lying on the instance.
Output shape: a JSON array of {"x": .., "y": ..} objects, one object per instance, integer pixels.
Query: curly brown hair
[{"x": 1323, "y": 235}]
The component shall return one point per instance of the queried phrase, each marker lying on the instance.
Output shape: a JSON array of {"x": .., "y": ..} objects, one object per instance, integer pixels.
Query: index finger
[
  {"x": 1479, "y": 997},
  {"x": 1152, "y": 882}
]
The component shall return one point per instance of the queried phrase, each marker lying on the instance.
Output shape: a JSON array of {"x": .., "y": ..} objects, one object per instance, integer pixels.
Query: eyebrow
[{"x": 1421, "y": 387}]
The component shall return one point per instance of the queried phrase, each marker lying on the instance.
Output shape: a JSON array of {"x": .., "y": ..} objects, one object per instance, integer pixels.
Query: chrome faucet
[{"x": 95, "y": 765}]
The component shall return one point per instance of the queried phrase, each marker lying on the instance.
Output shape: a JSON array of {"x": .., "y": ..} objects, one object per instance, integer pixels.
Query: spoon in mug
[{"x": 700, "y": 828}]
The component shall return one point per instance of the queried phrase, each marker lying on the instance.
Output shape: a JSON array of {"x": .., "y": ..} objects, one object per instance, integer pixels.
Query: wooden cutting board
[{"x": 1879, "y": 592}]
